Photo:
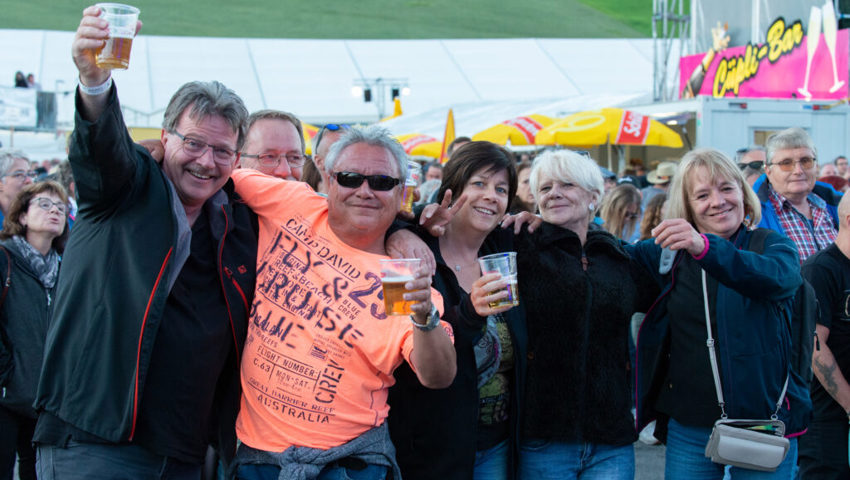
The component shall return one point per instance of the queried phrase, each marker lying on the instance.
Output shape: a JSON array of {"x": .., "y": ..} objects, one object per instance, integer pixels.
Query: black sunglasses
[
  {"x": 754, "y": 165},
  {"x": 379, "y": 183}
]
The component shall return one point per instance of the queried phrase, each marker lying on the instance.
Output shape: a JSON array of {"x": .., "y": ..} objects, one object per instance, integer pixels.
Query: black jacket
[
  {"x": 578, "y": 323},
  {"x": 120, "y": 263},
  {"x": 434, "y": 431},
  {"x": 24, "y": 318}
]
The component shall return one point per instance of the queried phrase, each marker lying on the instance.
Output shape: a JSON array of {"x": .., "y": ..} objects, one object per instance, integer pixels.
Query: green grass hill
[{"x": 360, "y": 19}]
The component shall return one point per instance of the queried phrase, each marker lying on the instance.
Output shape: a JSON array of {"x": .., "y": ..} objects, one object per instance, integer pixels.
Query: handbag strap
[{"x": 712, "y": 355}]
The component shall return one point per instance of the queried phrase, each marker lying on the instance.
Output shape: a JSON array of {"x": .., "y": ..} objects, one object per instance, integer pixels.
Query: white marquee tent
[{"x": 484, "y": 81}]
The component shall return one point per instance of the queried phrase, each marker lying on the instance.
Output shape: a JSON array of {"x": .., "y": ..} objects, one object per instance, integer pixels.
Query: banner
[
  {"x": 788, "y": 65},
  {"x": 18, "y": 107}
]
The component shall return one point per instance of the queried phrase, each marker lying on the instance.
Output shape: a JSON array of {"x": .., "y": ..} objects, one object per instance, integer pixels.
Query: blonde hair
[
  {"x": 615, "y": 205},
  {"x": 717, "y": 164}
]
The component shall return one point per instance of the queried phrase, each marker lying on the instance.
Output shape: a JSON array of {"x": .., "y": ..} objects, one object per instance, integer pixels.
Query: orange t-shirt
[{"x": 320, "y": 351}]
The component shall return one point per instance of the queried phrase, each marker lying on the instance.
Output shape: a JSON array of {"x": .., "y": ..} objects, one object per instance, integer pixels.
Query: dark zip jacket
[
  {"x": 129, "y": 243},
  {"x": 753, "y": 338},
  {"x": 24, "y": 319}
]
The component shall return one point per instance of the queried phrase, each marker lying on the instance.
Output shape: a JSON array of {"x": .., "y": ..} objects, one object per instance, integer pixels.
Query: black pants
[
  {"x": 16, "y": 437},
  {"x": 823, "y": 451}
]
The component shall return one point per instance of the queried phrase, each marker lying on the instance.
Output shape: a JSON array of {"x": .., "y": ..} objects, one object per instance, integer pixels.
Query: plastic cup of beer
[
  {"x": 394, "y": 274},
  {"x": 505, "y": 265},
  {"x": 414, "y": 173},
  {"x": 115, "y": 54}
]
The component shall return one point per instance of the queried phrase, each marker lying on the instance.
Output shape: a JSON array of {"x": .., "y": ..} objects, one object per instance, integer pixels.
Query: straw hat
[{"x": 662, "y": 174}]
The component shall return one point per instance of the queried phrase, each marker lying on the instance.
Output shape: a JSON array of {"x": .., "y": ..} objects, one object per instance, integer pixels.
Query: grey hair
[
  {"x": 794, "y": 137},
  {"x": 375, "y": 136},
  {"x": 277, "y": 115},
  {"x": 207, "y": 99},
  {"x": 739, "y": 155},
  {"x": 567, "y": 166},
  {"x": 8, "y": 157}
]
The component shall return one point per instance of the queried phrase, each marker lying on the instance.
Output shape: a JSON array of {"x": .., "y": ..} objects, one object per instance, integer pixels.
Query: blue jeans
[
  {"x": 331, "y": 472},
  {"x": 492, "y": 464},
  {"x": 544, "y": 460},
  {"x": 81, "y": 461},
  {"x": 685, "y": 458}
]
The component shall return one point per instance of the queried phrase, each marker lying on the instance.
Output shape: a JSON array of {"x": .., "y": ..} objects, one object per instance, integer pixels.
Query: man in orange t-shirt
[{"x": 320, "y": 351}]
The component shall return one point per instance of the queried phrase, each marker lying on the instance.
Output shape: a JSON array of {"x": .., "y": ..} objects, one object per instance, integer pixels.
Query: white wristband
[{"x": 97, "y": 90}]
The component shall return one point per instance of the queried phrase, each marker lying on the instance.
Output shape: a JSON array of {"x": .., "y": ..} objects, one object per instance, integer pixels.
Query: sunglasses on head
[
  {"x": 379, "y": 183},
  {"x": 754, "y": 165},
  {"x": 334, "y": 127}
]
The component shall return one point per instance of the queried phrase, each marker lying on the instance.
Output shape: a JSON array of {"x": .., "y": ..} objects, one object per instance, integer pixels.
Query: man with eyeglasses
[
  {"x": 150, "y": 314},
  {"x": 321, "y": 351},
  {"x": 792, "y": 202},
  {"x": 15, "y": 174},
  {"x": 274, "y": 144}
]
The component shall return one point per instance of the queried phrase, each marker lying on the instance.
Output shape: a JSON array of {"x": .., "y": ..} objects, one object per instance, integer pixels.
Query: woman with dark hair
[
  {"x": 20, "y": 80},
  {"x": 33, "y": 238},
  {"x": 468, "y": 430}
]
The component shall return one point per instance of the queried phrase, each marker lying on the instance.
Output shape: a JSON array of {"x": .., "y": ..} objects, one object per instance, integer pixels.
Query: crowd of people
[{"x": 209, "y": 304}]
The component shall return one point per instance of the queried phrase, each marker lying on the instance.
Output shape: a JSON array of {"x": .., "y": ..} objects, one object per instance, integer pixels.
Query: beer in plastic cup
[
  {"x": 394, "y": 274},
  {"x": 414, "y": 173},
  {"x": 505, "y": 265},
  {"x": 115, "y": 54}
]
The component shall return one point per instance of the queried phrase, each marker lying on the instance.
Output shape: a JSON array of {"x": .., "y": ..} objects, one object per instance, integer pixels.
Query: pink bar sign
[{"x": 790, "y": 64}]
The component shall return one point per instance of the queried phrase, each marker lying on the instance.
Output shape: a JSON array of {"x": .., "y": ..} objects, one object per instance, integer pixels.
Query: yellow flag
[
  {"x": 396, "y": 109},
  {"x": 448, "y": 136}
]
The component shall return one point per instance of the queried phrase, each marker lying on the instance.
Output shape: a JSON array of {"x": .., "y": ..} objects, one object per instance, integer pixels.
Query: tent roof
[{"x": 493, "y": 79}]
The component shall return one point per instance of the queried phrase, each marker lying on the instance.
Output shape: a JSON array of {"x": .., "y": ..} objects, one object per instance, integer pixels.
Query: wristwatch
[{"x": 431, "y": 323}]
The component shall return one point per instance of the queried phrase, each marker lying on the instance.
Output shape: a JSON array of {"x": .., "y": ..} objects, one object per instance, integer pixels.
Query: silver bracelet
[{"x": 97, "y": 90}]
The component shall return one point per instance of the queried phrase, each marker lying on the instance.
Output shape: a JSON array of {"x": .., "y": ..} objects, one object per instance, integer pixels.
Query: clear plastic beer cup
[
  {"x": 115, "y": 54},
  {"x": 505, "y": 265},
  {"x": 394, "y": 274}
]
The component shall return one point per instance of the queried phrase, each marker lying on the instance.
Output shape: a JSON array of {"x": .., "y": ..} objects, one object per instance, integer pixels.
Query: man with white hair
[
  {"x": 320, "y": 353},
  {"x": 792, "y": 203}
]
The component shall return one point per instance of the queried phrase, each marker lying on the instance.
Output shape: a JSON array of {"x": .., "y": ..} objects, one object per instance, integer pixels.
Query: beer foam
[{"x": 397, "y": 278}]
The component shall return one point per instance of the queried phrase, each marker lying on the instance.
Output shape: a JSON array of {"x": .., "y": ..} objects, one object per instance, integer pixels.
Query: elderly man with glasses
[
  {"x": 792, "y": 201},
  {"x": 152, "y": 304},
  {"x": 321, "y": 350},
  {"x": 274, "y": 144},
  {"x": 15, "y": 174}
]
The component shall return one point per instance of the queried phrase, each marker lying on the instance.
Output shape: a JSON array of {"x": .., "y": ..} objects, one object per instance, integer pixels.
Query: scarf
[{"x": 45, "y": 267}]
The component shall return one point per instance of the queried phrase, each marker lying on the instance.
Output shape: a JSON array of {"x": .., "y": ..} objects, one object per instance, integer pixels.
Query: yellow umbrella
[
  {"x": 517, "y": 130},
  {"x": 310, "y": 131},
  {"x": 419, "y": 144},
  {"x": 608, "y": 125}
]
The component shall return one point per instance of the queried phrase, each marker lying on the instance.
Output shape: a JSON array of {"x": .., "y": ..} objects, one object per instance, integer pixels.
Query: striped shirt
[{"x": 808, "y": 235}]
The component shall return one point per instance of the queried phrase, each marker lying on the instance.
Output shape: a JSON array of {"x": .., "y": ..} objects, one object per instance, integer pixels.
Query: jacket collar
[{"x": 597, "y": 240}]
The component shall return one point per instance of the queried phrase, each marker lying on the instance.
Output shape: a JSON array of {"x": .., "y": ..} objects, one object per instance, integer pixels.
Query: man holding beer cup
[
  {"x": 142, "y": 354},
  {"x": 321, "y": 349}
]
